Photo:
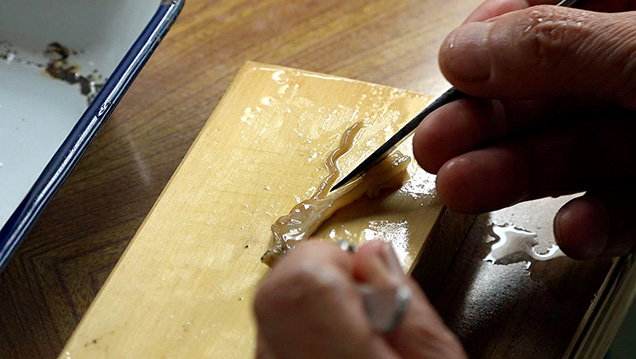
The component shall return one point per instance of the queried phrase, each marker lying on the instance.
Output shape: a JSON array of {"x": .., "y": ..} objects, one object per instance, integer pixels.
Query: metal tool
[
  {"x": 378, "y": 155},
  {"x": 570, "y": 3},
  {"x": 385, "y": 307}
]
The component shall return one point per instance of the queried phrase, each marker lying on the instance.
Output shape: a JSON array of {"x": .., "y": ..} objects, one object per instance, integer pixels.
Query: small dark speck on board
[
  {"x": 240, "y": 298},
  {"x": 94, "y": 341},
  {"x": 247, "y": 246}
]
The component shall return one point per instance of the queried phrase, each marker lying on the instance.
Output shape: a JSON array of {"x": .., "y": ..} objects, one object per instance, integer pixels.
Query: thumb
[
  {"x": 421, "y": 333},
  {"x": 545, "y": 51}
]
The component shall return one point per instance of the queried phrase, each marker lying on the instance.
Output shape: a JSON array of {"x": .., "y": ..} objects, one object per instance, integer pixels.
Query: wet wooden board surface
[{"x": 184, "y": 287}]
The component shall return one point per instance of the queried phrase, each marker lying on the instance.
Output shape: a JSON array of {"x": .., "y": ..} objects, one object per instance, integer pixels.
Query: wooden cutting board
[{"x": 184, "y": 286}]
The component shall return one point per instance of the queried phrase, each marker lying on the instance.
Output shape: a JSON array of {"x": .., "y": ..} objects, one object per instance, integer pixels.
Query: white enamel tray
[{"x": 64, "y": 66}]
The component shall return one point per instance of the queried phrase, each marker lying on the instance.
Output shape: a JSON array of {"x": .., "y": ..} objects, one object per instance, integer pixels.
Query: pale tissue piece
[{"x": 306, "y": 217}]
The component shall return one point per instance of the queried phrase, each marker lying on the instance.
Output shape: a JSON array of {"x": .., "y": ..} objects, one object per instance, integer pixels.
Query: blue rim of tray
[{"x": 91, "y": 121}]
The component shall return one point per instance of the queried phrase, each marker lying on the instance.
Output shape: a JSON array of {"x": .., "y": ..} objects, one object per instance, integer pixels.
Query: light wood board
[{"x": 184, "y": 286}]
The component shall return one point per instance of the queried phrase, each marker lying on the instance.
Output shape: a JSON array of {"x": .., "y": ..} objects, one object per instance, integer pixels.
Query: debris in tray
[
  {"x": 6, "y": 52},
  {"x": 59, "y": 67},
  {"x": 56, "y": 51},
  {"x": 68, "y": 73}
]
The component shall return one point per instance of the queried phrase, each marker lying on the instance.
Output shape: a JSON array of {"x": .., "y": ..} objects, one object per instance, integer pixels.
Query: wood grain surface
[
  {"x": 56, "y": 273},
  {"x": 263, "y": 149}
]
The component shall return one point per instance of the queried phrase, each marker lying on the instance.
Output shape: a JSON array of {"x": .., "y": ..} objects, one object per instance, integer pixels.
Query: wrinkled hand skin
[
  {"x": 553, "y": 95},
  {"x": 308, "y": 307}
]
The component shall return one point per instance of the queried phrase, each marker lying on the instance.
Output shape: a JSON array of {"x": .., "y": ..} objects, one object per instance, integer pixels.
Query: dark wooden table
[{"x": 498, "y": 311}]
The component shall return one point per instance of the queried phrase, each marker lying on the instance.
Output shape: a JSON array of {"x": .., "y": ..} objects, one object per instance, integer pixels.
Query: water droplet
[
  {"x": 280, "y": 77},
  {"x": 247, "y": 115},
  {"x": 514, "y": 245},
  {"x": 267, "y": 100}
]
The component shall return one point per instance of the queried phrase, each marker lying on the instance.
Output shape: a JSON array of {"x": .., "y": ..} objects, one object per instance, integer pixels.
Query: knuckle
[
  {"x": 571, "y": 41},
  {"x": 553, "y": 33}
]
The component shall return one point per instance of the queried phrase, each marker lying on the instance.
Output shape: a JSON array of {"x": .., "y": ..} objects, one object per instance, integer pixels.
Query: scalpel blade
[{"x": 451, "y": 95}]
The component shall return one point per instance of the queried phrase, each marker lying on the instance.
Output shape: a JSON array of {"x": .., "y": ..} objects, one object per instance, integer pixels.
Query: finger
[
  {"x": 492, "y": 8},
  {"x": 597, "y": 224},
  {"x": 565, "y": 159},
  {"x": 421, "y": 334},
  {"x": 457, "y": 128},
  {"x": 468, "y": 124},
  {"x": 309, "y": 307},
  {"x": 545, "y": 51},
  {"x": 262, "y": 348}
]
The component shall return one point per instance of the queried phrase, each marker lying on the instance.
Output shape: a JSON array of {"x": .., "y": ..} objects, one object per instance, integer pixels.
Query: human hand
[
  {"x": 553, "y": 93},
  {"x": 309, "y": 307}
]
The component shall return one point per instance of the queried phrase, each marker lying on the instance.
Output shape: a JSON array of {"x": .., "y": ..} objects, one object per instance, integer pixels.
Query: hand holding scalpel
[{"x": 378, "y": 155}]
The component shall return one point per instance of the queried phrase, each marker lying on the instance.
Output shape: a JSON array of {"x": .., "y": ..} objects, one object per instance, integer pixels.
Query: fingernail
[
  {"x": 464, "y": 54},
  {"x": 391, "y": 259},
  {"x": 388, "y": 271}
]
